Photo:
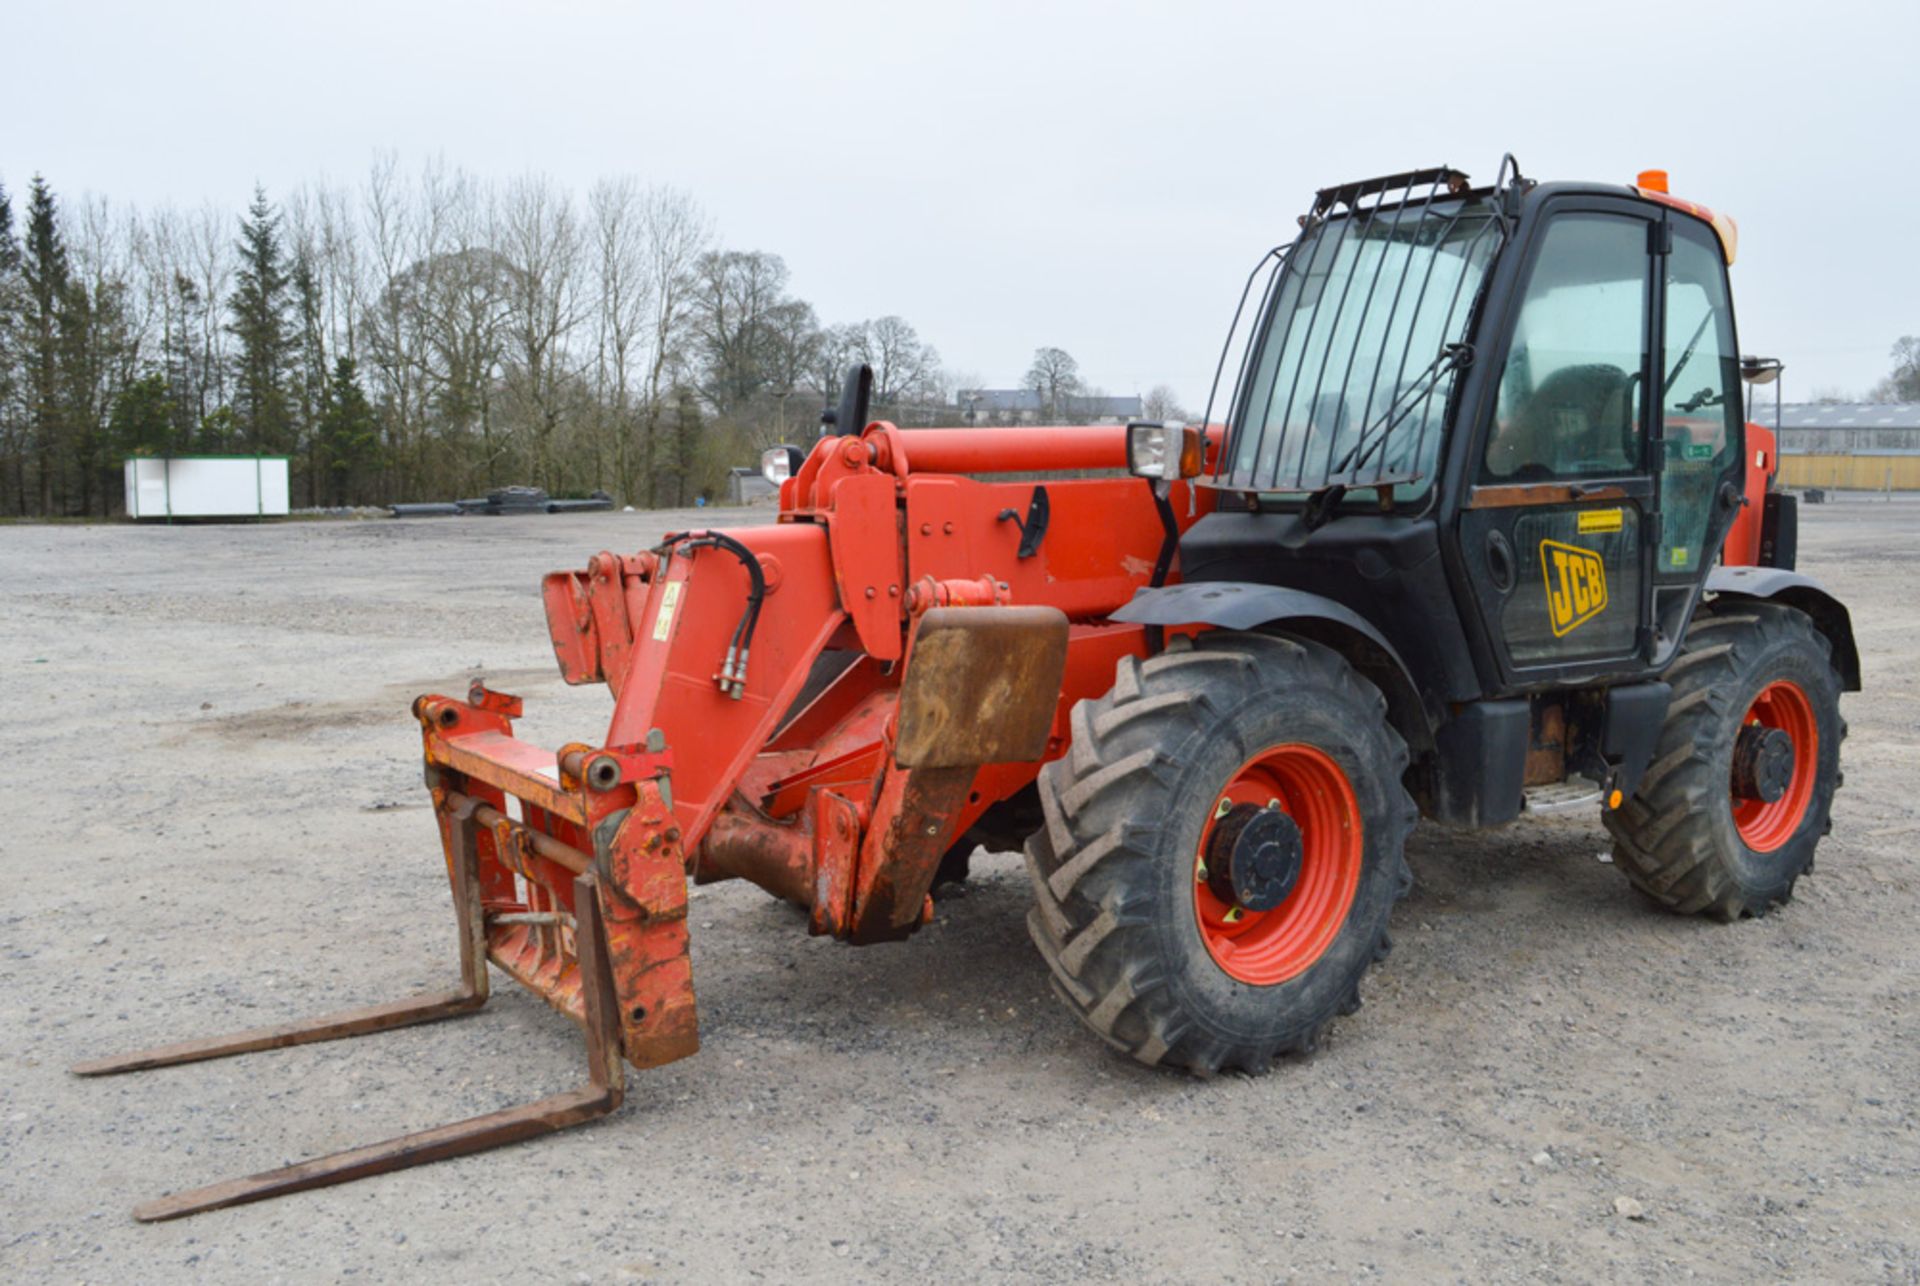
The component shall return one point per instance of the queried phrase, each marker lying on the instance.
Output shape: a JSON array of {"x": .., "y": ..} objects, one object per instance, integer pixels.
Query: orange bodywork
[{"x": 784, "y": 770}]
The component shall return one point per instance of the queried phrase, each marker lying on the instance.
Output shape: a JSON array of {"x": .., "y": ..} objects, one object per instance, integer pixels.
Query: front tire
[
  {"x": 1700, "y": 836},
  {"x": 1243, "y": 744}
]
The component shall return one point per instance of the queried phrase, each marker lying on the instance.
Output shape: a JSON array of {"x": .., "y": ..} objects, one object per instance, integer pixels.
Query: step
[{"x": 1562, "y": 796}]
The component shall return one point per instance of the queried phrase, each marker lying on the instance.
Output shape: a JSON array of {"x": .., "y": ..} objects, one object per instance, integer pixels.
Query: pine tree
[
  {"x": 257, "y": 315},
  {"x": 142, "y": 422},
  {"x": 349, "y": 433},
  {"x": 46, "y": 274},
  {"x": 687, "y": 431},
  {"x": 309, "y": 381},
  {"x": 12, "y": 425}
]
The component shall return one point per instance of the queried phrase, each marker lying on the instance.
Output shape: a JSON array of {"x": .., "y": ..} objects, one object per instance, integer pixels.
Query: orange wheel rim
[
  {"x": 1271, "y": 946},
  {"x": 1765, "y": 825}
]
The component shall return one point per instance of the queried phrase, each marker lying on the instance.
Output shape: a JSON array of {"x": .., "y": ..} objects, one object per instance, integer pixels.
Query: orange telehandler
[{"x": 1483, "y": 532}]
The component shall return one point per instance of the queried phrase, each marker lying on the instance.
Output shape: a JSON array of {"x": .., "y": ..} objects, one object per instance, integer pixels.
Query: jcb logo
[{"x": 1576, "y": 585}]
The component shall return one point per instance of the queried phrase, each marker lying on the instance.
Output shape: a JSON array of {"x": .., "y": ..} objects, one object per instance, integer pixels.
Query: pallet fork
[{"x": 606, "y": 1075}]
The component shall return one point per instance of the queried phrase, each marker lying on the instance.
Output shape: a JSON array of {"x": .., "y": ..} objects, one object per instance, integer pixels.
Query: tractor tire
[
  {"x": 1273, "y": 756},
  {"x": 1698, "y": 837}
]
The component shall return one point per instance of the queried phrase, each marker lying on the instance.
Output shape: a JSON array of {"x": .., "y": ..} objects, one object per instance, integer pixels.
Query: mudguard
[
  {"x": 1243, "y": 605},
  {"x": 1796, "y": 589}
]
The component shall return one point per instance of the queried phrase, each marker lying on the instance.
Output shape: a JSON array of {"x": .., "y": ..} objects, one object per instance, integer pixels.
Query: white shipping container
[{"x": 207, "y": 487}]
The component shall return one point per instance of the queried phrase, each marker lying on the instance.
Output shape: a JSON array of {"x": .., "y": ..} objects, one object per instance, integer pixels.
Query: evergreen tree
[
  {"x": 257, "y": 319},
  {"x": 687, "y": 429},
  {"x": 142, "y": 421},
  {"x": 12, "y": 424},
  {"x": 309, "y": 382},
  {"x": 45, "y": 272},
  {"x": 349, "y": 433}
]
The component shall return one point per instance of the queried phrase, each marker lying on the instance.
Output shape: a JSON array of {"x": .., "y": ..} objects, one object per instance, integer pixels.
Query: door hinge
[{"x": 1660, "y": 238}]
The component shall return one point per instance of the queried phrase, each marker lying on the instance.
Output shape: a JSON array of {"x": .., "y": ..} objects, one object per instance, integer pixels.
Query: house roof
[
  {"x": 1842, "y": 415},
  {"x": 1026, "y": 399}
]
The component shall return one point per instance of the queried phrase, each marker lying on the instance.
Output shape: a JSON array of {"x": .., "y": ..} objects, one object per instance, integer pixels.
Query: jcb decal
[{"x": 1576, "y": 585}]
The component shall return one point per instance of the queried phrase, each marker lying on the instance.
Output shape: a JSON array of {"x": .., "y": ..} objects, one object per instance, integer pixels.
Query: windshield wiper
[
  {"x": 1452, "y": 357},
  {"x": 1323, "y": 502},
  {"x": 1673, "y": 376}
]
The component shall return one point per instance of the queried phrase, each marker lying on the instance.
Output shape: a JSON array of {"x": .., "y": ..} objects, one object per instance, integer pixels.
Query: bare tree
[
  {"x": 1055, "y": 376},
  {"x": 734, "y": 291},
  {"x": 540, "y": 236},
  {"x": 676, "y": 234},
  {"x": 838, "y": 350},
  {"x": 1161, "y": 403},
  {"x": 623, "y": 305},
  {"x": 391, "y": 339},
  {"x": 1902, "y": 383},
  {"x": 793, "y": 341},
  {"x": 902, "y": 365}
]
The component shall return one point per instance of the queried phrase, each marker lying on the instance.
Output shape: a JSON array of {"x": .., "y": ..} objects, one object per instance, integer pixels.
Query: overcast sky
[{"x": 1094, "y": 176}]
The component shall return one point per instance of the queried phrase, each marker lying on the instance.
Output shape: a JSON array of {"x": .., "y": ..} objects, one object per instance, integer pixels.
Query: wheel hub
[
  {"x": 1763, "y": 763},
  {"x": 1254, "y": 857}
]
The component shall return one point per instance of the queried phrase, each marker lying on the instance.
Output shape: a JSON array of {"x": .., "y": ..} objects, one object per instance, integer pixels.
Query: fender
[
  {"x": 1796, "y": 589},
  {"x": 1242, "y": 605}
]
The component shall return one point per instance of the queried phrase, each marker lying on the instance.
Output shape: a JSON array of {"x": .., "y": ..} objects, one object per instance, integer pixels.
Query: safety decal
[
  {"x": 1576, "y": 585},
  {"x": 1602, "y": 520},
  {"x": 663, "y": 623}
]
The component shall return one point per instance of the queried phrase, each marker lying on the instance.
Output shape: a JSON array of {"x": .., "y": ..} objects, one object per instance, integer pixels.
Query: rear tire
[
  {"x": 1137, "y": 942},
  {"x": 1688, "y": 839}
]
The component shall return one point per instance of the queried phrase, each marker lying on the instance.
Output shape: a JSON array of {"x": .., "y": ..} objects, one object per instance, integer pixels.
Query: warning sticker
[
  {"x": 1602, "y": 519},
  {"x": 663, "y": 623}
]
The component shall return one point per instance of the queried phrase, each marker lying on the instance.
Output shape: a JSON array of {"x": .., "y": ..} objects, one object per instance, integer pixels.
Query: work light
[{"x": 1163, "y": 451}]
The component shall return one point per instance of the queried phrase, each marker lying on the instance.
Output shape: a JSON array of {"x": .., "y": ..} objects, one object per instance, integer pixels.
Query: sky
[{"x": 1099, "y": 177}]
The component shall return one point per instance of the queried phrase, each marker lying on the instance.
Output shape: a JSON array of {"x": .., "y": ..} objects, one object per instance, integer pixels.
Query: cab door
[{"x": 1558, "y": 524}]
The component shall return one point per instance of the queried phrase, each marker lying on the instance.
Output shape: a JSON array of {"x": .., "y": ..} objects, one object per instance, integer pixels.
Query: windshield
[{"x": 1348, "y": 379}]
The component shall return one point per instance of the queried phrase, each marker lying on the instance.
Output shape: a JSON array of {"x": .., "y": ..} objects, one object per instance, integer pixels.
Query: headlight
[
  {"x": 777, "y": 464},
  {"x": 1164, "y": 451}
]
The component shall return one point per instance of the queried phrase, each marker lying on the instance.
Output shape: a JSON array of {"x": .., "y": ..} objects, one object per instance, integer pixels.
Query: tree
[
  {"x": 349, "y": 433},
  {"x": 1903, "y": 382},
  {"x": 734, "y": 293},
  {"x": 837, "y": 352},
  {"x": 142, "y": 418},
  {"x": 676, "y": 234},
  {"x": 541, "y": 238},
  {"x": 903, "y": 367},
  {"x": 13, "y": 445},
  {"x": 1055, "y": 376},
  {"x": 308, "y": 384},
  {"x": 1161, "y": 403},
  {"x": 45, "y": 272},
  {"x": 793, "y": 341},
  {"x": 257, "y": 320}
]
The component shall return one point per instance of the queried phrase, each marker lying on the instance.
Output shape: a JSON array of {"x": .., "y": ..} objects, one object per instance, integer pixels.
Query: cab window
[
  {"x": 1700, "y": 394},
  {"x": 1571, "y": 392}
]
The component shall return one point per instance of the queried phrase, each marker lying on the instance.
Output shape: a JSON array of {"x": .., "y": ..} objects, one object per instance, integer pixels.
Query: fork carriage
[{"x": 800, "y": 705}]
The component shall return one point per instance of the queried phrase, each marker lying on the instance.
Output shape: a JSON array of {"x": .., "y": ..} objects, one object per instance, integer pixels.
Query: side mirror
[
  {"x": 777, "y": 464},
  {"x": 856, "y": 396}
]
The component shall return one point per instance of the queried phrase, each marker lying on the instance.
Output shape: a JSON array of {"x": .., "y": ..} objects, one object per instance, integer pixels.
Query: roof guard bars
[{"x": 1320, "y": 394}]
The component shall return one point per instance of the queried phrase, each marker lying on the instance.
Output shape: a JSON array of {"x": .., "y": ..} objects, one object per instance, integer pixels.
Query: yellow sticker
[
  {"x": 1601, "y": 520},
  {"x": 1681, "y": 555},
  {"x": 663, "y": 623},
  {"x": 1576, "y": 585}
]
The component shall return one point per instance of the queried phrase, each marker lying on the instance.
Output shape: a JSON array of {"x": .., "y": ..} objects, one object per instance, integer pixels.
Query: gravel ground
[{"x": 215, "y": 820}]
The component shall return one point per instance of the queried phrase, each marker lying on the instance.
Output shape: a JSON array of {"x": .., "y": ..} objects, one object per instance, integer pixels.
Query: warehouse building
[{"x": 1865, "y": 446}]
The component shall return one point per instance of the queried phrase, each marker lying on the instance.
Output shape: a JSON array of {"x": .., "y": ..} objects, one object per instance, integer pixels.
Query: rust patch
[{"x": 980, "y": 687}]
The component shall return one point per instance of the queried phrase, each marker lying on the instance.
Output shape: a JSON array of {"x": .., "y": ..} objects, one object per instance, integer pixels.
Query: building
[
  {"x": 745, "y": 486},
  {"x": 1025, "y": 406},
  {"x": 1867, "y": 446}
]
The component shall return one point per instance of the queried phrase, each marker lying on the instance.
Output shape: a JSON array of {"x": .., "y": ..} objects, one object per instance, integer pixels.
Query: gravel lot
[{"x": 215, "y": 819}]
